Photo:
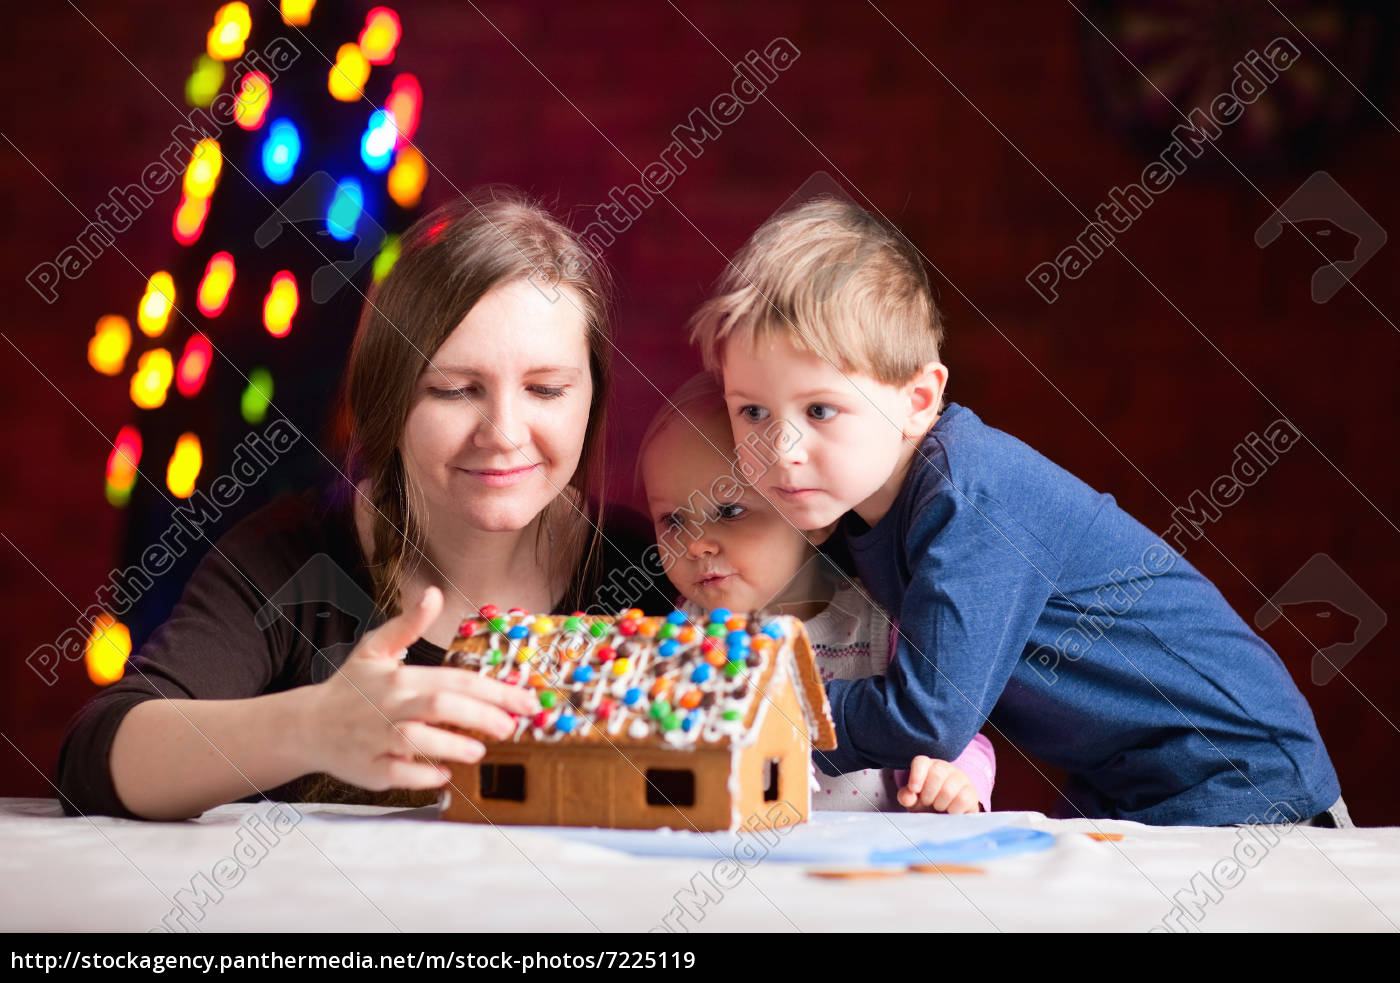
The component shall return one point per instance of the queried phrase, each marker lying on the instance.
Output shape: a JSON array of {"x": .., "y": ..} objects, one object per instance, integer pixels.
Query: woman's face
[{"x": 497, "y": 423}]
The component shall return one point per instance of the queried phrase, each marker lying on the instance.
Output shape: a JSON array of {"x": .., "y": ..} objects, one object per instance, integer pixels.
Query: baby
[{"x": 724, "y": 546}]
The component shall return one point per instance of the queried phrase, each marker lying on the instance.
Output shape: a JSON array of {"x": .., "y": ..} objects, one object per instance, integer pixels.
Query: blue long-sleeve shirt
[{"x": 1026, "y": 597}]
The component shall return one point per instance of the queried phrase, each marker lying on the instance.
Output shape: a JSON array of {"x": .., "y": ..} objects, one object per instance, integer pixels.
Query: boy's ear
[{"x": 925, "y": 395}]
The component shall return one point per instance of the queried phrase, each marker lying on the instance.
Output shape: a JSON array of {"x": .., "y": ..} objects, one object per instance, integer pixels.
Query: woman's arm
[
  {"x": 173, "y": 759},
  {"x": 372, "y": 724}
]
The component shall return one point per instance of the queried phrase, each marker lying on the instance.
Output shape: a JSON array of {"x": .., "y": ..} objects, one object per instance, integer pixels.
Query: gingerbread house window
[
  {"x": 670, "y": 787},
  {"x": 503, "y": 782},
  {"x": 770, "y": 780}
]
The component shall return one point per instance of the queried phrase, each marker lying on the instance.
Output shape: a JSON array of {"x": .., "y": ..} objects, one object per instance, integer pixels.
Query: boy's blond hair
[{"x": 836, "y": 281}]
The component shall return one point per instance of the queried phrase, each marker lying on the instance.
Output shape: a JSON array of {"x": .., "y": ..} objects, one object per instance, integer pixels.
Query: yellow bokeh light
[
  {"x": 108, "y": 648},
  {"x": 349, "y": 73},
  {"x": 254, "y": 97},
  {"x": 280, "y": 306},
  {"x": 153, "y": 313},
  {"x": 407, "y": 177},
  {"x": 111, "y": 340},
  {"x": 184, "y": 466},
  {"x": 231, "y": 26},
  {"x": 214, "y": 288},
  {"x": 380, "y": 36},
  {"x": 154, "y": 370},
  {"x": 297, "y": 13},
  {"x": 202, "y": 174}
]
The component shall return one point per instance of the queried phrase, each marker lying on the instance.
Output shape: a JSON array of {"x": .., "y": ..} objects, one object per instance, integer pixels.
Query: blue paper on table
[{"x": 835, "y": 838}]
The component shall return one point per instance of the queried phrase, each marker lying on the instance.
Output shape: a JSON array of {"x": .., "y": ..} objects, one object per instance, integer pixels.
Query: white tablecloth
[{"x": 358, "y": 869}]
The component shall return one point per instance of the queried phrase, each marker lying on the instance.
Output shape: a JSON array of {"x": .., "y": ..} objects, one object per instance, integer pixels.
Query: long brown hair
[{"x": 449, "y": 260}]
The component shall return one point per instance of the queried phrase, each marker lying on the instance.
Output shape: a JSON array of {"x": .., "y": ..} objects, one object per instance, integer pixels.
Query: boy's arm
[{"x": 978, "y": 584}]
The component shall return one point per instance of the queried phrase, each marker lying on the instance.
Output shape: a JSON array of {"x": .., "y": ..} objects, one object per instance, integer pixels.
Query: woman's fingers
[
  {"x": 405, "y": 628},
  {"x": 514, "y": 699},
  {"x": 412, "y": 739},
  {"x": 458, "y": 709},
  {"x": 402, "y": 773}
]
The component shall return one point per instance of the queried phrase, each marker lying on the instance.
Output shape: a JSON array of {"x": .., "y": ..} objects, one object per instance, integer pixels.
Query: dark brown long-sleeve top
[{"x": 280, "y": 602}]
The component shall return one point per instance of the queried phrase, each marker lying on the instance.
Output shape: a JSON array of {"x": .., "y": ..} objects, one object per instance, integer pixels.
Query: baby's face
[
  {"x": 722, "y": 544},
  {"x": 846, "y": 447}
]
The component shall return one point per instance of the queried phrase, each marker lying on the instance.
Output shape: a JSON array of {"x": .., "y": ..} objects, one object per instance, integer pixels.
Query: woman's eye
[
  {"x": 464, "y": 392},
  {"x": 731, "y": 511},
  {"x": 821, "y": 411},
  {"x": 549, "y": 392},
  {"x": 753, "y": 413}
]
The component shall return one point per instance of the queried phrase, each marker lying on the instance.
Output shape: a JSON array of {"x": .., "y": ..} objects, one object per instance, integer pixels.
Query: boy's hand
[{"x": 937, "y": 786}]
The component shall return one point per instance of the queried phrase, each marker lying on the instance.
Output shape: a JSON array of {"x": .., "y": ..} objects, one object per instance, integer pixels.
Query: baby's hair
[
  {"x": 699, "y": 394},
  {"x": 835, "y": 280}
]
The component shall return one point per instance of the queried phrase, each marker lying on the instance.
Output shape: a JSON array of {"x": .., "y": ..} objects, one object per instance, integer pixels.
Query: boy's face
[
  {"x": 733, "y": 550},
  {"x": 849, "y": 451}
]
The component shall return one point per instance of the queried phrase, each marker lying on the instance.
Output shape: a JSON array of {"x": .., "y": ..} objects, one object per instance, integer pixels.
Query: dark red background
[{"x": 1173, "y": 375}]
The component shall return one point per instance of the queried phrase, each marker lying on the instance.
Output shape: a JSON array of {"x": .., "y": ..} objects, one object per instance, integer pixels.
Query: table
[{"x": 366, "y": 869}]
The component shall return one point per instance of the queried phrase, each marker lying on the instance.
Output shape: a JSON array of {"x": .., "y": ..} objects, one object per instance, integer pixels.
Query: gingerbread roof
[{"x": 634, "y": 680}]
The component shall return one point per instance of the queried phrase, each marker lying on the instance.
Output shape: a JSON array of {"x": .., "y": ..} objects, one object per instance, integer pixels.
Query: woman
[{"x": 475, "y": 393}]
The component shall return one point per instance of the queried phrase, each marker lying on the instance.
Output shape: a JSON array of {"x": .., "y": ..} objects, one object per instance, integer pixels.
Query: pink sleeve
[{"x": 979, "y": 763}]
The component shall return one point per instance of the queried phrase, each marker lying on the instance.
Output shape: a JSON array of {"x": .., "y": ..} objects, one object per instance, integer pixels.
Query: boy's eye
[
  {"x": 733, "y": 510},
  {"x": 753, "y": 413},
  {"x": 821, "y": 411}
]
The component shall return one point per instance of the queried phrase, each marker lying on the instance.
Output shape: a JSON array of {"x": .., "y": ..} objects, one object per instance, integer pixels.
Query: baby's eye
[
  {"x": 753, "y": 413},
  {"x": 731, "y": 511},
  {"x": 821, "y": 411},
  {"x": 668, "y": 521}
]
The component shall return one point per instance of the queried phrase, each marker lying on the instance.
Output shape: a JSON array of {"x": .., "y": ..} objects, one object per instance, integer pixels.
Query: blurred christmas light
[
  {"x": 154, "y": 310},
  {"x": 256, "y": 396},
  {"x": 380, "y": 36},
  {"x": 189, "y": 219},
  {"x": 344, "y": 213},
  {"x": 122, "y": 464},
  {"x": 387, "y": 256},
  {"x": 204, "y": 82},
  {"x": 230, "y": 31},
  {"x": 280, "y": 305},
  {"x": 254, "y": 96},
  {"x": 297, "y": 13},
  {"x": 349, "y": 73},
  {"x": 405, "y": 104},
  {"x": 215, "y": 286},
  {"x": 151, "y": 379},
  {"x": 407, "y": 178},
  {"x": 183, "y": 470},
  {"x": 377, "y": 143},
  {"x": 110, "y": 342},
  {"x": 194, "y": 365},
  {"x": 281, "y": 151},
  {"x": 202, "y": 174},
  {"x": 108, "y": 648}
]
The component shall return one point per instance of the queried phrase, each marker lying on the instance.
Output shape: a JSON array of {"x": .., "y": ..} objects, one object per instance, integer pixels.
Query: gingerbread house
[{"x": 645, "y": 722}]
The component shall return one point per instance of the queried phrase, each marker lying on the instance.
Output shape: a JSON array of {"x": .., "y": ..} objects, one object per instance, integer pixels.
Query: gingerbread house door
[{"x": 583, "y": 789}]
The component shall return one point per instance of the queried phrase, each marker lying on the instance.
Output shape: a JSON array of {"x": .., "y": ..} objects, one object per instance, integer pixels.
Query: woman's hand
[
  {"x": 372, "y": 722},
  {"x": 938, "y": 786}
]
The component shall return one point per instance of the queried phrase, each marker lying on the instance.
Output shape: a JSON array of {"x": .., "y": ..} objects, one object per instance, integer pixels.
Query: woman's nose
[{"x": 500, "y": 426}]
